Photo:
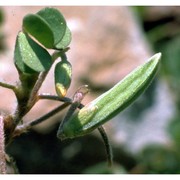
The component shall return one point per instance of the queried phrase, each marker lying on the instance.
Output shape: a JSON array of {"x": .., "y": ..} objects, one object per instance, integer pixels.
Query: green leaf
[
  {"x": 112, "y": 102},
  {"x": 56, "y": 22},
  {"x": 48, "y": 26},
  {"x": 62, "y": 73},
  {"x": 29, "y": 56},
  {"x": 19, "y": 63},
  {"x": 65, "y": 40},
  {"x": 40, "y": 29}
]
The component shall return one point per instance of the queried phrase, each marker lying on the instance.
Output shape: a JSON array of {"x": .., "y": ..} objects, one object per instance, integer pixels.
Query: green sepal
[{"x": 112, "y": 102}]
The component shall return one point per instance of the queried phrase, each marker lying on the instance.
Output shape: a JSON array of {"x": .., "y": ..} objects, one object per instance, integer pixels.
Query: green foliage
[
  {"x": 37, "y": 27},
  {"x": 174, "y": 131},
  {"x": 159, "y": 159},
  {"x": 163, "y": 33},
  {"x": 29, "y": 56},
  {"x": 55, "y": 21},
  {"x": 65, "y": 41},
  {"x": 102, "y": 168},
  {"x": 171, "y": 65},
  {"x": 49, "y": 27}
]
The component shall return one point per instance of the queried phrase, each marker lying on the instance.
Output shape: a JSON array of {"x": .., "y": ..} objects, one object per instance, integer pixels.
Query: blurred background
[{"x": 107, "y": 43}]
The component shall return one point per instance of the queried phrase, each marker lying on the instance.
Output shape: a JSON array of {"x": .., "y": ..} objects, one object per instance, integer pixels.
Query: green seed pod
[
  {"x": 111, "y": 102},
  {"x": 63, "y": 73}
]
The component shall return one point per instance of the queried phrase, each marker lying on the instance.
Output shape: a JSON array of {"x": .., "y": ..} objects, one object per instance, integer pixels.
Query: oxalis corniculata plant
[{"x": 47, "y": 29}]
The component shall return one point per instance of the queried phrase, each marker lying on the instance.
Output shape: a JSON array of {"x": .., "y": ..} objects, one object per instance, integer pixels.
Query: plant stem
[
  {"x": 33, "y": 96},
  {"x": 42, "y": 77},
  {"x": 67, "y": 101},
  {"x": 2, "y": 148},
  {"x": 48, "y": 115},
  {"x": 23, "y": 128},
  {"x": 57, "y": 98},
  {"x": 54, "y": 97},
  {"x": 107, "y": 145},
  {"x": 7, "y": 85},
  {"x": 21, "y": 110}
]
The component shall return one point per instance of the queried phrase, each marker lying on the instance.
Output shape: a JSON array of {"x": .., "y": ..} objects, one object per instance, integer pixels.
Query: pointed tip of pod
[
  {"x": 159, "y": 55},
  {"x": 156, "y": 57},
  {"x": 155, "y": 61}
]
